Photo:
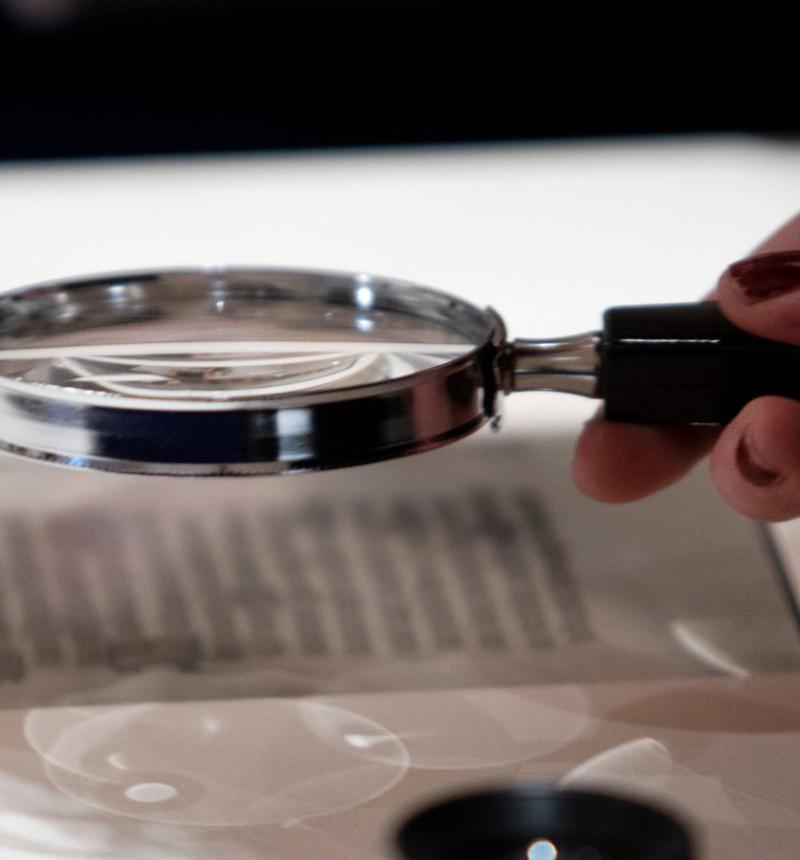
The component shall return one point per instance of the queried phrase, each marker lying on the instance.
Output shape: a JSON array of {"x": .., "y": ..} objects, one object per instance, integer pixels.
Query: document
[{"x": 475, "y": 565}]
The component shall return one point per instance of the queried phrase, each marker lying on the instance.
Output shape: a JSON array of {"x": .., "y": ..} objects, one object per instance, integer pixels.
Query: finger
[
  {"x": 746, "y": 290},
  {"x": 756, "y": 462},
  {"x": 762, "y": 295},
  {"x": 785, "y": 238},
  {"x": 616, "y": 462}
]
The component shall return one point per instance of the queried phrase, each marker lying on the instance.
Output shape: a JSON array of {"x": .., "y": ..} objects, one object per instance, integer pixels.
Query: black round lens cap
[{"x": 540, "y": 822}]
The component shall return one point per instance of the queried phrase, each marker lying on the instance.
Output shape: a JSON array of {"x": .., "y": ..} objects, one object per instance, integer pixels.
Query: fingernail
[
  {"x": 751, "y": 465},
  {"x": 766, "y": 275}
]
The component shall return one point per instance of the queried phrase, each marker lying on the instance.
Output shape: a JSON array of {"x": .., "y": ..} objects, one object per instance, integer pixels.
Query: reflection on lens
[
  {"x": 181, "y": 337},
  {"x": 542, "y": 849}
]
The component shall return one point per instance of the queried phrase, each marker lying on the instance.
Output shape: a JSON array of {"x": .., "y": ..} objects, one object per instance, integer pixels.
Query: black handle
[{"x": 687, "y": 364}]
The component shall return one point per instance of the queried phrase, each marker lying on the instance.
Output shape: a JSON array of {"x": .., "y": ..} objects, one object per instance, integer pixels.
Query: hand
[{"x": 755, "y": 460}]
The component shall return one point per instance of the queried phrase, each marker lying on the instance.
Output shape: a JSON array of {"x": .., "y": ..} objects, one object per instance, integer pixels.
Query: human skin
[{"x": 755, "y": 459}]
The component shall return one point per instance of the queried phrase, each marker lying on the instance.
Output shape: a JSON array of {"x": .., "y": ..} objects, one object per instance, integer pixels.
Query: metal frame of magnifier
[{"x": 280, "y": 433}]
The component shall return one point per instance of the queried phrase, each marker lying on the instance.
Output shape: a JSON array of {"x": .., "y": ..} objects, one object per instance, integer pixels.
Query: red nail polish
[
  {"x": 750, "y": 467},
  {"x": 766, "y": 275}
]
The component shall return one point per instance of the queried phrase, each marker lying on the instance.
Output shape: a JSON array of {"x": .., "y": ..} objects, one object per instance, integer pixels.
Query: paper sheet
[{"x": 476, "y": 565}]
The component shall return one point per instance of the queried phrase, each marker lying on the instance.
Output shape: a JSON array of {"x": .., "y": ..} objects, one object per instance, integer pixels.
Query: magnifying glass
[{"x": 269, "y": 371}]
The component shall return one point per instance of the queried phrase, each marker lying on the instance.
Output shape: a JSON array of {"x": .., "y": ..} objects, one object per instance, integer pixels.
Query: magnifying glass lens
[
  {"x": 239, "y": 372},
  {"x": 229, "y": 337}
]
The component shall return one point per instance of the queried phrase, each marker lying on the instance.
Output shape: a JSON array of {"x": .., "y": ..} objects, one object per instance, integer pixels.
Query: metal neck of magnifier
[
  {"x": 568, "y": 364},
  {"x": 658, "y": 364}
]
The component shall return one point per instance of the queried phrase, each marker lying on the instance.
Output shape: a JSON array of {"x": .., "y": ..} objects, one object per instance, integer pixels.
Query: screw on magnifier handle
[
  {"x": 667, "y": 364},
  {"x": 659, "y": 364}
]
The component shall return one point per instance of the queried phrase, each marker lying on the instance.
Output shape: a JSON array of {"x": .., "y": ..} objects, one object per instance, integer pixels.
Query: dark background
[{"x": 102, "y": 77}]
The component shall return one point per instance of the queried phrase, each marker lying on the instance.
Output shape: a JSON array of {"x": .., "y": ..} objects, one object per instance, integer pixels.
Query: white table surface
[{"x": 559, "y": 230}]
